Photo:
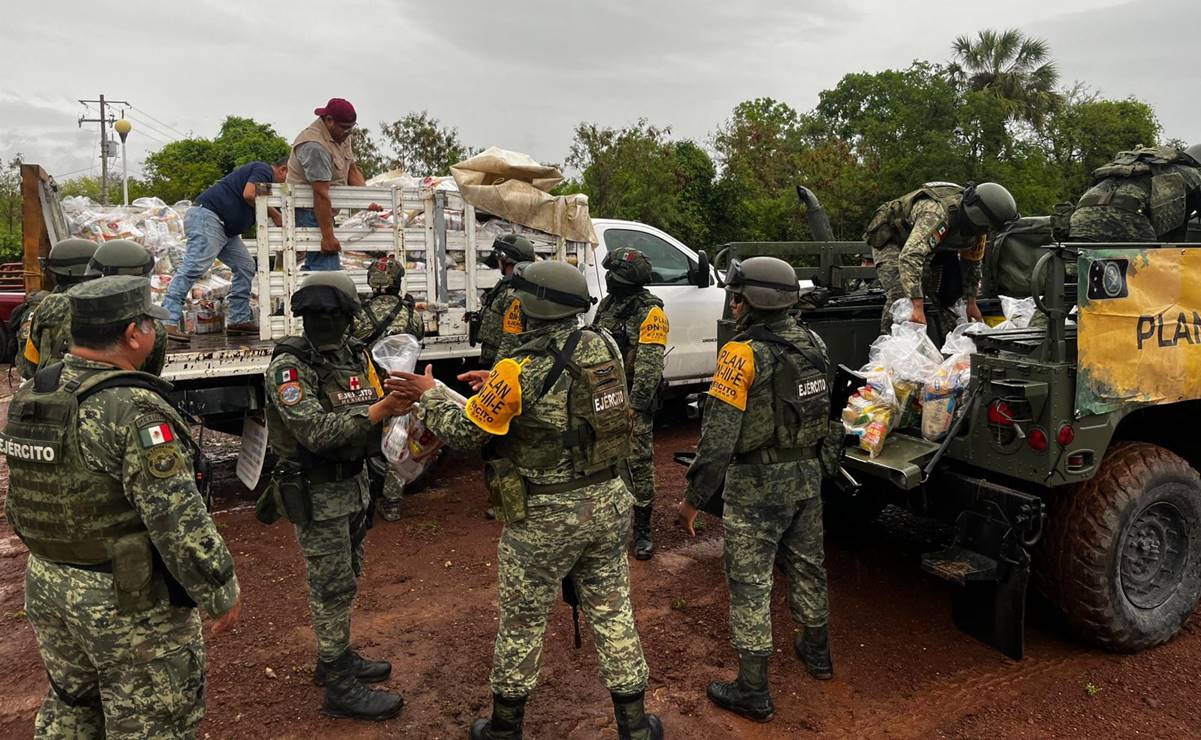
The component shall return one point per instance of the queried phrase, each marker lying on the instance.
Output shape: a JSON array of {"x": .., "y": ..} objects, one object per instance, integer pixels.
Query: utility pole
[{"x": 105, "y": 121}]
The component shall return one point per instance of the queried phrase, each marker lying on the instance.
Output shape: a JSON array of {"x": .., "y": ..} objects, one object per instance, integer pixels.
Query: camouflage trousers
[
  {"x": 1110, "y": 224},
  {"x": 582, "y": 533},
  {"x": 112, "y": 675},
  {"x": 641, "y": 459},
  {"x": 888, "y": 273},
  {"x": 773, "y": 513},
  {"x": 333, "y": 559}
]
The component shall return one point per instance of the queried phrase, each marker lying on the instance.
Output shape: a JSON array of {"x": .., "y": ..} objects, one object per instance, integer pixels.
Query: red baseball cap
[{"x": 338, "y": 109}]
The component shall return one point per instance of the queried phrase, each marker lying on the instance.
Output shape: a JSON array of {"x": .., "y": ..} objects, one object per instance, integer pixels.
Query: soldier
[
  {"x": 122, "y": 549},
  {"x": 766, "y": 433},
  {"x": 68, "y": 262},
  {"x": 635, "y": 318},
  {"x": 324, "y": 411},
  {"x": 556, "y": 421},
  {"x": 930, "y": 243},
  {"x": 384, "y": 314},
  {"x": 499, "y": 319},
  {"x": 1144, "y": 195}
]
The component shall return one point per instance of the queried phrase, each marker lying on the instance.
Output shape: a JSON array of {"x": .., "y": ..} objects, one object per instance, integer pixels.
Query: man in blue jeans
[{"x": 214, "y": 227}]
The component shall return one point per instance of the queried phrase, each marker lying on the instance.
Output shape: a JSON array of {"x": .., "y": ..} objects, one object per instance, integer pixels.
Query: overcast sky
[{"x": 522, "y": 74}]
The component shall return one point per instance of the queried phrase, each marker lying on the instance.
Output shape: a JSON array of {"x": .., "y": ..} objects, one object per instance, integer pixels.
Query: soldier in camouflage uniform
[
  {"x": 51, "y": 327},
  {"x": 499, "y": 319},
  {"x": 384, "y": 314},
  {"x": 929, "y": 244},
  {"x": 554, "y": 421},
  {"x": 1144, "y": 195},
  {"x": 122, "y": 549},
  {"x": 767, "y": 435},
  {"x": 68, "y": 262},
  {"x": 324, "y": 411},
  {"x": 635, "y": 318}
]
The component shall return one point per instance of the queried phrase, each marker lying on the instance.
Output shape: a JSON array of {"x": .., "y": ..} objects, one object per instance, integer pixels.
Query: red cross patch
[{"x": 354, "y": 383}]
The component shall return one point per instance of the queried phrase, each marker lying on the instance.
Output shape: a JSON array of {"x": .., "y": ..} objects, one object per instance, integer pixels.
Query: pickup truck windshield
[{"x": 669, "y": 266}]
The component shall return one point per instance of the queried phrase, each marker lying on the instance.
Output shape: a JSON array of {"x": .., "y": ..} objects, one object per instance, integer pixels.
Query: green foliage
[
  {"x": 89, "y": 187},
  {"x": 10, "y": 210},
  {"x": 367, "y": 154},
  {"x": 183, "y": 169},
  {"x": 421, "y": 145}
]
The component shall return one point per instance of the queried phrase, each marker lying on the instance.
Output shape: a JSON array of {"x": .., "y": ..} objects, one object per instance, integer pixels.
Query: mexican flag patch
[
  {"x": 156, "y": 434},
  {"x": 287, "y": 375}
]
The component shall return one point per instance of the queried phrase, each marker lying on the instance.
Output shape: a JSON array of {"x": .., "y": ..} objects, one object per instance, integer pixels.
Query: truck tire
[{"x": 1121, "y": 555}]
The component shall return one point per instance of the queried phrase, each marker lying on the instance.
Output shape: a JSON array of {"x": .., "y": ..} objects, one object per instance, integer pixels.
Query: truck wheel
[{"x": 1121, "y": 556}]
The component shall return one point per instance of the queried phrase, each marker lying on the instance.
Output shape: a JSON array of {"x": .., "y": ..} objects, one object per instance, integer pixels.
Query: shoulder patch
[
  {"x": 31, "y": 352},
  {"x": 654, "y": 327},
  {"x": 290, "y": 393},
  {"x": 499, "y": 400},
  {"x": 286, "y": 375},
  {"x": 937, "y": 234},
  {"x": 164, "y": 462},
  {"x": 513, "y": 322},
  {"x": 155, "y": 434},
  {"x": 734, "y": 374}
]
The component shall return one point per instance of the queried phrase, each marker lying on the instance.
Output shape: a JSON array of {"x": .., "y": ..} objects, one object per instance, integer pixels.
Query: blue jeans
[
  {"x": 316, "y": 261},
  {"x": 207, "y": 241}
]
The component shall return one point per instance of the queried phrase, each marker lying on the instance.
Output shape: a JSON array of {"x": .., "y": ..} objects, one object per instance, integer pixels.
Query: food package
[
  {"x": 941, "y": 395},
  {"x": 872, "y": 410},
  {"x": 1018, "y": 313}
]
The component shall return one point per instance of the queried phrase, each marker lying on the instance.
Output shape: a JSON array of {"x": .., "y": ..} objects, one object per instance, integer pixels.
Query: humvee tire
[{"x": 1121, "y": 555}]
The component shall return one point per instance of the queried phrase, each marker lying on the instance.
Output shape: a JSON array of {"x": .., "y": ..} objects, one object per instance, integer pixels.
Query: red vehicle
[{"x": 12, "y": 294}]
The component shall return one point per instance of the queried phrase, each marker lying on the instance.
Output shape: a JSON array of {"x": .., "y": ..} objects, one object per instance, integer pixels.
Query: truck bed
[{"x": 217, "y": 355}]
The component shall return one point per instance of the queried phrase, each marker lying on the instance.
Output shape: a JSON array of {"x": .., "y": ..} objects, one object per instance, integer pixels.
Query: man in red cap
[{"x": 322, "y": 156}]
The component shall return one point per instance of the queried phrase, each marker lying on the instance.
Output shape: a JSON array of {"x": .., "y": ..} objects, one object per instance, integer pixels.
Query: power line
[
  {"x": 105, "y": 120},
  {"x": 151, "y": 128},
  {"x": 181, "y": 134}
]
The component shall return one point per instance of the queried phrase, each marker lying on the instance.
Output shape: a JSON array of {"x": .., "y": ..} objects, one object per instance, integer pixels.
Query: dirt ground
[{"x": 428, "y": 604}]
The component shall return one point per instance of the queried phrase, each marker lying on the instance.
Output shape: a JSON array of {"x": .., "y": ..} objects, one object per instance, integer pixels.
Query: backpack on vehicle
[{"x": 1010, "y": 256}]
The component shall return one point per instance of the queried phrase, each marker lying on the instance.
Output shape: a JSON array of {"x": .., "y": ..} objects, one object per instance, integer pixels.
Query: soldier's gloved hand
[
  {"x": 686, "y": 514},
  {"x": 226, "y": 621}
]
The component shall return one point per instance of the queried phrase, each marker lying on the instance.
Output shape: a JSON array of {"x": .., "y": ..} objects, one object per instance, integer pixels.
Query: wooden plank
[{"x": 35, "y": 242}]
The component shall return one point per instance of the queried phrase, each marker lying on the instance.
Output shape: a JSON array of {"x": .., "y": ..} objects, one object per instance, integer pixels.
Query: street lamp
[{"x": 123, "y": 127}]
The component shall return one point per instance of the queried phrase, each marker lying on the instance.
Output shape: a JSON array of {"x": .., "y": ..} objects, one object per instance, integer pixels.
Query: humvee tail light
[
  {"x": 1037, "y": 439},
  {"x": 1066, "y": 435},
  {"x": 1000, "y": 413}
]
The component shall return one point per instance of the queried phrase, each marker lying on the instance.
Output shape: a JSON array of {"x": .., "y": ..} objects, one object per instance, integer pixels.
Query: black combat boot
[
  {"x": 507, "y": 715},
  {"x": 367, "y": 671},
  {"x": 748, "y": 694},
  {"x": 633, "y": 723},
  {"x": 346, "y": 696},
  {"x": 813, "y": 647},
  {"x": 644, "y": 547}
]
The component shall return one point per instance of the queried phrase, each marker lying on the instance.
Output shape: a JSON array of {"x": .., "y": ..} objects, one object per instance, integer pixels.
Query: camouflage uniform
[
  {"x": 321, "y": 424},
  {"x": 771, "y": 509},
  {"x": 121, "y": 670},
  {"x": 1145, "y": 195},
  {"x": 905, "y": 235},
  {"x": 25, "y": 351},
  {"x": 641, "y": 334},
  {"x": 498, "y": 337},
  {"x": 580, "y": 532},
  {"x": 50, "y": 336},
  {"x": 379, "y": 307}
]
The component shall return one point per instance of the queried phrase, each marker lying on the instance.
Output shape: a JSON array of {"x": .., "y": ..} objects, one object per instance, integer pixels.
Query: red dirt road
[{"x": 428, "y": 604}]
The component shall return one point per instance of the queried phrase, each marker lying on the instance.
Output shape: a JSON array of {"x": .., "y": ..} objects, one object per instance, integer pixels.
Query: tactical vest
[
  {"x": 62, "y": 510},
  {"x": 1153, "y": 182},
  {"x": 638, "y": 304},
  {"x": 340, "y": 388},
  {"x": 341, "y": 156},
  {"x": 799, "y": 410},
  {"x": 598, "y": 412},
  {"x": 380, "y": 326},
  {"x": 892, "y": 221}
]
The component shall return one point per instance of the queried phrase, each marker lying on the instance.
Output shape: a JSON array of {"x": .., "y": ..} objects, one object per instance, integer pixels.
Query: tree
[
  {"x": 10, "y": 209},
  {"x": 1010, "y": 66},
  {"x": 183, "y": 169},
  {"x": 367, "y": 154},
  {"x": 421, "y": 145}
]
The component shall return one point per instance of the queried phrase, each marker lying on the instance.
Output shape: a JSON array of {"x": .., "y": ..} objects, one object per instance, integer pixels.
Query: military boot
[
  {"x": 346, "y": 696},
  {"x": 748, "y": 694},
  {"x": 367, "y": 671},
  {"x": 388, "y": 509},
  {"x": 644, "y": 547},
  {"x": 633, "y": 723},
  {"x": 813, "y": 647},
  {"x": 507, "y": 716}
]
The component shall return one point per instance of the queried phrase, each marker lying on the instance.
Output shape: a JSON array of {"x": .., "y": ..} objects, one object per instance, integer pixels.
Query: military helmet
[
  {"x": 628, "y": 265},
  {"x": 510, "y": 248},
  {"x": 767, "y": 283},
  {"x": 1194, "y": 153},
  {"x": 989, "y": 205},
  {"x": 329, "y": 291},
  {"x": 121, "y": 257},
  {"x": 385, "y": 273},
  {"x": 552, "y": 290},
  {"x": 70, "y": 257}
]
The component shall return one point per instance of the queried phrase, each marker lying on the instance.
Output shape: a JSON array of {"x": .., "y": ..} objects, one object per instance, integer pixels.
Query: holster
[
  {"x": 134, "y": 585},
  {"x": 292, "y": 487},
  {"x": 506, "y": 490},
  {"x": 474, "y": 320}
]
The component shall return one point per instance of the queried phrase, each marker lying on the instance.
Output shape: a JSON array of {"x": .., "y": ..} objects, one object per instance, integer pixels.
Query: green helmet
[
  {"x": 69, "y": 258},
  {"x": 1194, "y": 153},
  {"x": 767, "y": 283},
  {"x": 628, "y": 265},
  {"x": 326, "y": 292},
  {"x": 121, "y": 257},
  {"x": 989, "y": 206},
  {"x": 552, "y": 290},
  {"x": 385, "y": 273},
  {"x": 510, "y": 248}
]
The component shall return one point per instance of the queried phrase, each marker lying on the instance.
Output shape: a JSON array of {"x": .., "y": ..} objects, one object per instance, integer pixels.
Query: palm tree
[{"x": 1012, "y": 66}]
